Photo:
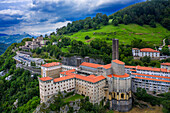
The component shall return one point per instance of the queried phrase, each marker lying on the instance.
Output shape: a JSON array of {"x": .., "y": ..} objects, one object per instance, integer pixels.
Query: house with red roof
[
  {"x": 165, "y": 65},
  {"x": 51, "y": 69},
  {"x": 138, "y": 53}
]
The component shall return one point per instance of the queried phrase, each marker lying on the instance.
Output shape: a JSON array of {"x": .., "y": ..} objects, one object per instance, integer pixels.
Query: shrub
[
  {"x": 87, "y": 37},
  {"x": 70, "y": 93}
]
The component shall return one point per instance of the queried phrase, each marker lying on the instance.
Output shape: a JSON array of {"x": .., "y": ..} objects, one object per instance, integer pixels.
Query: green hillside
[{"x": 125, "y": 33}]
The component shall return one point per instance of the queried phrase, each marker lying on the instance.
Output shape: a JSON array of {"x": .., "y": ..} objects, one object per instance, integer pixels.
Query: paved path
[{"x": 163, "y": 43}]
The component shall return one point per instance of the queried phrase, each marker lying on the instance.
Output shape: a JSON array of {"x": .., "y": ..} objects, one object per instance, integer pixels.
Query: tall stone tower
[
  {"x": 120, "y": 88},
  {"x": 115, "y": 49}
]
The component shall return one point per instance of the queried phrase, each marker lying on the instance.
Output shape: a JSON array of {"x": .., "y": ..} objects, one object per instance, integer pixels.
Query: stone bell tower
[{"x": 115, "y": 49}]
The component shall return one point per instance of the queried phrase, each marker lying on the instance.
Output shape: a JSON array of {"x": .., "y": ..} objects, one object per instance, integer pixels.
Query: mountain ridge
[{"x": 6, "y": 40}]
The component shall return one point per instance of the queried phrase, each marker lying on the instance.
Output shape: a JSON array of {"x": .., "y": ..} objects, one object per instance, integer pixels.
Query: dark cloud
[
  {"x": 7, "y": 20},
  {"x": 48, "y": 12}
]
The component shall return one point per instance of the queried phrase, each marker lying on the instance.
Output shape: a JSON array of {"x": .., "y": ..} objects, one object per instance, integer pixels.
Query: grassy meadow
[{"x": 125, "y": 33}]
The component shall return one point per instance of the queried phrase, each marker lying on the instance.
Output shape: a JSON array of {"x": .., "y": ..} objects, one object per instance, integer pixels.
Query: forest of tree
[
  {"x": 161, "y": 99},
  {"x": 85, "y": 24},
  {"x": 97, "y": 48},
  {"x": 21, "y": 86},
  {"x": 148, "y": 12}
]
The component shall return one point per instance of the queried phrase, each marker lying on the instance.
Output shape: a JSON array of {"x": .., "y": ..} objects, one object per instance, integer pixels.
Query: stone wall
[
  {"x": 121, "y": 105},
  {"x": 72, "y": 61},
  {"x": 122, "y": 85},
  {"x": 118, "y": 69}
]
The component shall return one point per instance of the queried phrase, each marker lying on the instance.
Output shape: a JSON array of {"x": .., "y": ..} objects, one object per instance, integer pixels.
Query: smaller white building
[
  {"x": 138, "y": 53},
  {"x": 51, "y": 69},
  {"x": 54, "y": 43},
  {"x": 149, "y": 78},
  {"x": 27, "y": 59},
  {"x": 165, "y": 65}
]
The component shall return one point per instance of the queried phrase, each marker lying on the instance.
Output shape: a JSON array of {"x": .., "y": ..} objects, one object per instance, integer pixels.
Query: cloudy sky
[{"x": 44, "y": 16}]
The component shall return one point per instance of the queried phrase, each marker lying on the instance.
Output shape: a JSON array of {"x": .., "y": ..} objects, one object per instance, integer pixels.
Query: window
[{"x": 122, "y": 96}]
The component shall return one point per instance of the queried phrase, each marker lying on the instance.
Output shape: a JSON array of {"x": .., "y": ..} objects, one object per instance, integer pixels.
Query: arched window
[{"x": 113, "y": 95}]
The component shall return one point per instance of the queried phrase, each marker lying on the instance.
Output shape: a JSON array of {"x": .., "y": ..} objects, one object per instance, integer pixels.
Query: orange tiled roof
[
  {"x": 63, "y": 78},
  {"x": 51, "y": 64},
  {"x": 151, "y": 69},
  {"x": 72, "y": 70},
  {"x": 107, "y": 66},
  {"x": 132, "y": 70},
  {"x": 91, "y": 78},
  {"x": 150, "y": 75},
  {"x": 152, "y": 79},
  {"x": 91, "y": 65},
  {"x": 118, "y": 62},
  {"x": 148, "y": 50},
  {"x": 119, "y": 76},
  {"x": 166, "y": 64},
  {"x": 45, "y": 78},
  {"x": 126, "y": 66},
  {"x": 110, "y": 76}
]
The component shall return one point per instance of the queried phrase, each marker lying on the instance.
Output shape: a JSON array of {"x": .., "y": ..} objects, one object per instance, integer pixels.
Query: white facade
[
  {"x": 49, "y": 88},
  {"x": 145, "y": 52},
  {"x": 150, "y": 85},
  {"x": 151, "y": 79},
  {"x": 165, "y": 66},
  {"x": 44, "y": 69}
]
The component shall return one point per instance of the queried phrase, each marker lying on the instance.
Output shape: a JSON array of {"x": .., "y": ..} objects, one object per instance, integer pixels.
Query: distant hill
[
  {"x": 3, "y": 47},
  {"x": 125, "y": 34},
  {"x": 145, "y": 13},
  {"x": 3, "y": 34},
  {"x": 7, "y": 40},
  {"x": 149, "y": 21},
  {"x": 149, "y": 12}
]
